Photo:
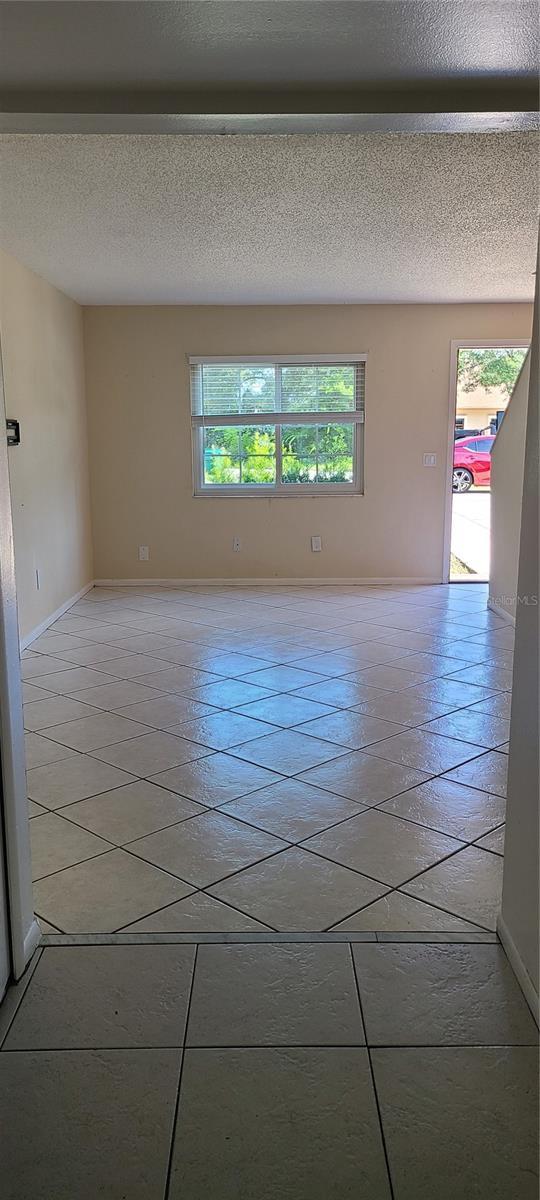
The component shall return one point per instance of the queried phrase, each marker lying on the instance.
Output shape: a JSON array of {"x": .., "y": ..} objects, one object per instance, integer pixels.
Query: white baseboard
[
  {"x": 501, "y": 612},
  {"x": 272, "y": 581},
  {"x": 31, "y": 637},
  {"x": 516, "y": 962}
]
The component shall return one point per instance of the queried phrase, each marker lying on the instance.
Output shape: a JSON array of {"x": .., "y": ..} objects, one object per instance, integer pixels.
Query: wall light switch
[
  {"x": 316, "y": 543},
  {"x": 430, "y": 460},
  {"x": 144, "y": 553}
]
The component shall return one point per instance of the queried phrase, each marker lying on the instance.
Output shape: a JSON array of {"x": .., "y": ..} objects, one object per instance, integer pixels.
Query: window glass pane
[
  {"x": 312, "y": 388},
  {"x": 317, "y": 454},
  {"x": 234, "y": 389},
  {"x": 239, "y": 455}
]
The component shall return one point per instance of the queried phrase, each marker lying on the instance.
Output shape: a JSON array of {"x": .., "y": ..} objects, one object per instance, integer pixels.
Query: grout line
[
  {"x": 397, "y": 1046},
  {"x": 372, "y": 1074},
  {"x": 180, "y": 1076}
]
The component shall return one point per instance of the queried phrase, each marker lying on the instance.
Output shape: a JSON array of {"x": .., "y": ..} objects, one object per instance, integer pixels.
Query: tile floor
[
  {"x": 286, "y": 1069},
  {"x": 274, "y": 758}
]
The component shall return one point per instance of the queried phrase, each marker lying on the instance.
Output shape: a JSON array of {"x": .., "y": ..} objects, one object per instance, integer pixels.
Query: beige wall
[
  {"x": 518, "y": 923},
  {"x": 42, "y": 350},
  {"x": 507, "y": 460},
  {"x": 140, "y": 440}
]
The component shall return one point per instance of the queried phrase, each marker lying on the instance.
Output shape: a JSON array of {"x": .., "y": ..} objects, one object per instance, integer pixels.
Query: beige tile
[
  {"x": 425, "y": 751},
  {"x": 406, "y": 708},
  {"x": 198, "y": 913},
  {"x": 41, "y": 665},
  {"x": 40, "y": 750},
  {"x": 42, "y": 714},
  {"x": 228, "y": 693},
  {"x": 452, "y": 808},
  {"x": 478, "y": 999},
  {"x": 469, "y": 726},
  {"x": 31, "y": 692},
  {"x": 105, "y": 996},
  {"x": 283, "y": 678},
  {"x": 339, "y": 693},
  {"x": 94, "y": 653},
  {"x": 308, "y": 1117},
  {"x": 221, "y": 730},
  {"x": 497, "y": 706},
  {"x": 135, "y": 666},
  {"x": 487, "y": 675},
  {"x": 57, "y": 844},
  {"x": 298, "y": 891},
  {"x": 105, "y": 893},
  {"x": 146, "y": 643},
  {"x": 178, "y": 679},
  {"x": 288, "y": 751},
  {"x": 363, "y": 778},
  {"x": 429, "y": 664},
  {"x": 392, "y": 679},
  {"x": 488, "y": 773},
  {"x": 469, "y": 884},
  {"x": 166, "y": 711},
  {"x": 397, "y": 913},
  {"x": 36, "y": 810},
  {"x": 90, "y": 733},
  {"x": 426, "y": 1099},
  {"x": 59, "y": 783},
  {"x": 216, "y": 779},
  {"x": 493, "y": 841},
  {"x": 73, "y": 679},
  {"x": 281, "y": 995},
  {"x": 352, "y": 729},
  {"x": 118, "y": 694},
  {"x": 78, "y": 1111},
  {"x": 131, "y": 812},
  {"x": 206, "y": 848},
  {"x": 153, "y": 752},
  {"x": 54, "y": 643},
  {"x": 292, "y": 809},
  {"x": 452, "y": 691},
  {"x": 383, "y": 846},
  {"x": 285, "y": 710}
]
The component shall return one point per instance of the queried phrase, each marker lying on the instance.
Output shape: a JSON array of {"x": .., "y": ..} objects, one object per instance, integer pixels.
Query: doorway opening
[{"x": 484, "y": 381}]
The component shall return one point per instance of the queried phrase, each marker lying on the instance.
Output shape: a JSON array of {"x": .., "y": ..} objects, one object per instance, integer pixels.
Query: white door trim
[
  {"x": 455, "y": 346},
  {"x": 23, "y": 929}
]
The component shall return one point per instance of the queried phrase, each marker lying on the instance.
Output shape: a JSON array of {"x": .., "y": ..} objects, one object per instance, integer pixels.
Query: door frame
[
  {"x": 456, "y": 345},
  {"x": 23, "y": 930}
]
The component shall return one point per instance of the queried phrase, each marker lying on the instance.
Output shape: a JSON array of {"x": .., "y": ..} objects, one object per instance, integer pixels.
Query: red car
[{"x": 472, "y": 462}]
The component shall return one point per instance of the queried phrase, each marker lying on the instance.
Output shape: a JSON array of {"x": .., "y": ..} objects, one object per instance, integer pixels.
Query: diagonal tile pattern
[{"x": 293, "y": 758}]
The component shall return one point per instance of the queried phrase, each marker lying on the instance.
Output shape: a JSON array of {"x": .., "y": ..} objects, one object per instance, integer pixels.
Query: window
[
  {"x": 286, "y": 426},
  {"x": 485, "y": 445}
]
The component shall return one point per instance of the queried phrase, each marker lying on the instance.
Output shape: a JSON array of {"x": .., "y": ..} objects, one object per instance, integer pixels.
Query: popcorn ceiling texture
[{"x": 164, "y": 219}]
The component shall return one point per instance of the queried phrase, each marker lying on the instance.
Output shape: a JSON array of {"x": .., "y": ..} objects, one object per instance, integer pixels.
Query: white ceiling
[
  {"x": 263, "y": 43},
  {"x": 321, "y": 218}
]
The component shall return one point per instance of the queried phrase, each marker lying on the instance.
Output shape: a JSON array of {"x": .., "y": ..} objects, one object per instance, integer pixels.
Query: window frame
[{"x": 278, "y": 489}]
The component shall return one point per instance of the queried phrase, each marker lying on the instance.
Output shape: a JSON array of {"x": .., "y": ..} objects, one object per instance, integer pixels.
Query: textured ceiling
[
  {"x": 263, "y": 43},
  {"x": 166, "y": 219}
]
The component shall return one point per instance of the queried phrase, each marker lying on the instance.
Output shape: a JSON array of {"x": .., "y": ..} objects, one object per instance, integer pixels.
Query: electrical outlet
[
  {"x": 144, "y": 553},
  {"x": 430, "y": 460},
  {"x": 236, "y": 545},
  {"x": 316, "y": 544}
]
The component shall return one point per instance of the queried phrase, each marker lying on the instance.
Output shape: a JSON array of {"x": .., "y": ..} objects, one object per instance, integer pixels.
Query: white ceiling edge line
[{"x": 267, "y": 123}]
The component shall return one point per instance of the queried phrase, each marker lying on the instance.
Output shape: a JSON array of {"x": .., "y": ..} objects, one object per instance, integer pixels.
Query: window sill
[{"x": 260, "y": 494}]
